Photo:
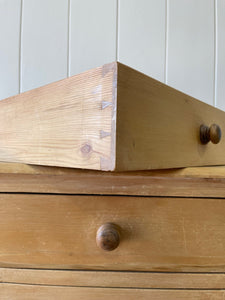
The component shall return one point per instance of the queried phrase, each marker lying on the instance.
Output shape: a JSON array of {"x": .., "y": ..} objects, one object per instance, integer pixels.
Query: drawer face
[
  {"x": 157, "y": 234},
  {"x": 21, "y": 292}
]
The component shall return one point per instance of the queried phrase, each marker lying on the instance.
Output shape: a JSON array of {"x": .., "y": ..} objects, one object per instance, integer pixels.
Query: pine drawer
[
  {"x": 156, "y": 233},
  {"x": 33, "y": 292}
]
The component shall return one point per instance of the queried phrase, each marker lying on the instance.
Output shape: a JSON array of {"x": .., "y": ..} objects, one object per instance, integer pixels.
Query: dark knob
[
  {"x": 108, "y": 236},
  {"x": 212, "y": 133}
]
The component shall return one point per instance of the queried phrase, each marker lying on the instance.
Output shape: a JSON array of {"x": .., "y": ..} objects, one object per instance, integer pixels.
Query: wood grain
[
  {"x": 158, "y": 126},
  {"x": 113, "y": 279},
  {"x": 33, "y": 292},
  {"x": 67, "y": 123},
  {"x": 217, "y": 172},
  {"x": 83, "y": 122},
  {"x": 157, "y": 234},
  {"x": 108, "y": 236},
  {"x": 188, "y": 182}
]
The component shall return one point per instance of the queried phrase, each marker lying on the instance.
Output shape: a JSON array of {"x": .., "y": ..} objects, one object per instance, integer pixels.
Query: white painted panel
[
  {"x": 142, "y": 35},
  {"x": 9, "y": 47},
  {"x": 220, "y": 82},
  {"x": 92, "y": 34},
  {"x": 191, "y": 47},
  {"x": 44, "y": 42}
]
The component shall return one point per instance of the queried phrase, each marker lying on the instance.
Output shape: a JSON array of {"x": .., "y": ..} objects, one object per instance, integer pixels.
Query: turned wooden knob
[
  {"x": 212, "y": 133},
  {"x": 108, "y": 236}
]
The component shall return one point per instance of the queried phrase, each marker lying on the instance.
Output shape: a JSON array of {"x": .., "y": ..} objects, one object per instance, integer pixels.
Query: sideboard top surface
[
  {"x": 190, "y": 172},
  {"x": 184, "y": 182}
]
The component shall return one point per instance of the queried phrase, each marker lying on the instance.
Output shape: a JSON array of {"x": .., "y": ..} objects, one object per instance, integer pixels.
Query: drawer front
[
  {"x": 33, "y": 292},
  {"x": 155, "y": 234},
  {"x": 114, "y": 279}
]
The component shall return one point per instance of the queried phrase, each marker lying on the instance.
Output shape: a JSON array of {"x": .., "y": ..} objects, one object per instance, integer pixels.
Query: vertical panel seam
[
  {"x": 68, "y": 38},
  {"x": 166, "y": 43},
  {"x": 117, "y": 30},
  {"x": 215, "y": 52},
  {"x": 20, "y": 46}
]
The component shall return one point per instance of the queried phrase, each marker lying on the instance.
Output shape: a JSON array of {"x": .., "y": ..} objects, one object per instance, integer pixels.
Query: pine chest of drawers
[{"x": 57, "y": 225}]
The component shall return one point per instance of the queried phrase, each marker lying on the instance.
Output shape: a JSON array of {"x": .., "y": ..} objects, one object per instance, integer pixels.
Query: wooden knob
[
  {"x": 108, "y": 236},
  {"x": 212, "y": 133}
]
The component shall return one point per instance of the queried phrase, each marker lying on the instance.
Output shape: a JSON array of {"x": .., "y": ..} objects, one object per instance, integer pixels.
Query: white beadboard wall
[{"x": 179, "y": 42}]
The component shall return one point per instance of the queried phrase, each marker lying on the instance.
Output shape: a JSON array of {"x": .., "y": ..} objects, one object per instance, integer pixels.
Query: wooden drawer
[
  {"x": 110, "y": 118},
  {"x": 33, "y": 292},
  {"x": 164, "y": 234},
  {"x": 68, "y": 284}
]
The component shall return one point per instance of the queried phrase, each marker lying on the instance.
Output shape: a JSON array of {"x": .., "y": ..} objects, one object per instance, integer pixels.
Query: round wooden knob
[
  {"x": 212, "y": 133},
  {"x": 108, "y": 236}
]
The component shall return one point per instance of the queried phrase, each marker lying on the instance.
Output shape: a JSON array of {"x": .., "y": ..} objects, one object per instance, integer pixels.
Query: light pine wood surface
[
  {"x": 18, "y": 169},
  {"x": 48, "y": 242},
  {"x": 158, "y": 126},
  {"x": 157, "y": 234},
  {"x": 109, "y": 118},
  {"x": 149, "y": 280},
  {"x": 188, "y": 182},
  {"x": 67, "y": 123},
  {"x": 33, "y": 292}
]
